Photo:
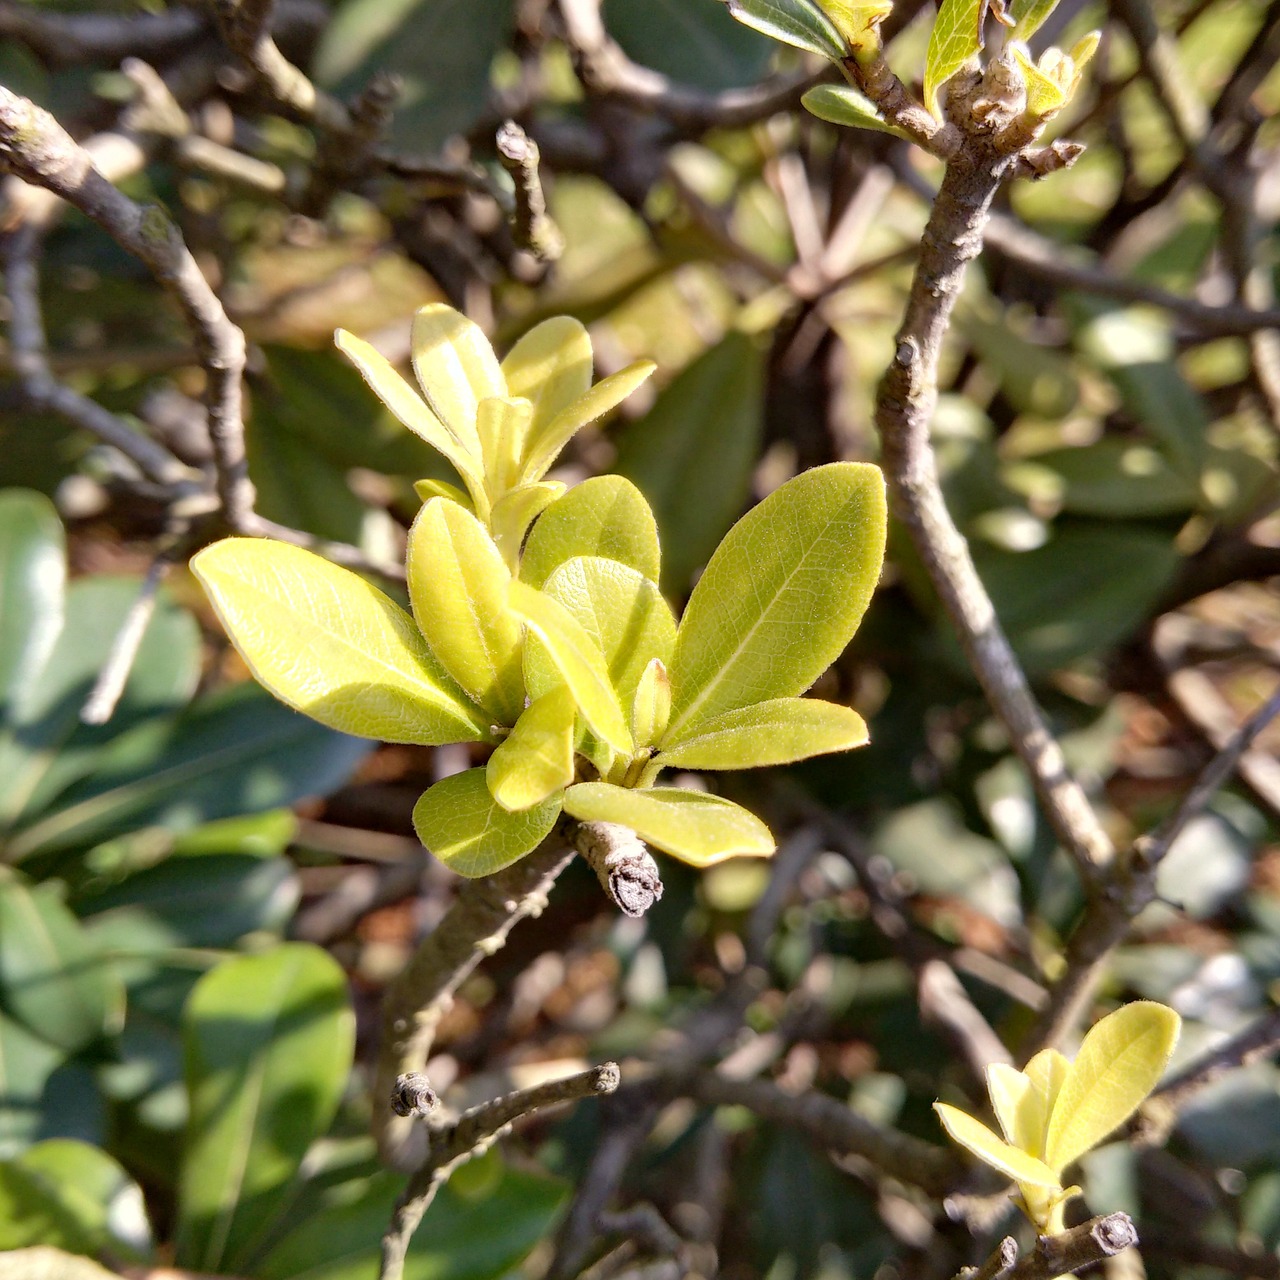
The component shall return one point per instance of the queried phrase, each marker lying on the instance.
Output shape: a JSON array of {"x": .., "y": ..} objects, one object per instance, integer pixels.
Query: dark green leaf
[
  {"x": 269, "y": 1040},
  {"x": 26, "y": 1063},
  {"x": 692, "y": 454},
  {"x": 843, "y": 104},
  {"x": 794, "y": 22}
]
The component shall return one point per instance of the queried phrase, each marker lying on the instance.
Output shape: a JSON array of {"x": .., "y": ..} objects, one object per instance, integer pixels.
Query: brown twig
[
  {"x": 532, "y": 225},
  {"x": 472, "y": 1134},
  {"x": 1076, "y": 1248}
]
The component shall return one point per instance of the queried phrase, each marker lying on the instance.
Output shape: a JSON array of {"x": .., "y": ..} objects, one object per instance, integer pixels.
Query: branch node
[
  {"x": 623, "y": 865},
  {"x": 414, "y": 1096}
]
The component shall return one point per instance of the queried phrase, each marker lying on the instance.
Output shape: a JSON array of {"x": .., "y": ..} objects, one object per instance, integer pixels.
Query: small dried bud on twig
[
  {"x": 413, "y": 1095},
  {"x": 625, "y": 868}
]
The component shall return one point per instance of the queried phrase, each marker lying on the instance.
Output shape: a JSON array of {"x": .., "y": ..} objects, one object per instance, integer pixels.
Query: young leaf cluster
[
  {"x": 537, "y": 624},
  {"x": 1054, "y": 1110}
]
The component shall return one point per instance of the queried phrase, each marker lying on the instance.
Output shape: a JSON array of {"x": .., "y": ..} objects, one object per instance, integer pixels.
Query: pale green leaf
[
  {"x": 1119, "y": 1063},
  {"x": 1028, "y": 16},
  {"x": 690, "y": 825},
  {"x": 974, "y": 1136},
  {"x": 1047, "y": 1071},
  {"x": 536, "y": 759},
  {"x": 405, "y": 403},
  {"x": 458, "y": 588},
  {"x": 782, "y": 595},
  {"x": 462, "y": 825},
  {"x": 793, "y": 22},
  {"x": 455, "y": 367},
  {"x": 503, "y": 424},
  {"x": 428, "y": 489},
  {"x": 1019, "y": 1107},
  {"x": 651, "y": 707},
  {"x": 515, "y": 511},
  {"x": 550, "y": 367},
  {"x": 333, "y": 647},
  {"x": 1046, "y": 95},
  {"x": 268, "y": 1046},
  {"x": 777, "y": 731},
  {"x": 955, "y": 39},
  {"x": 546, "y": 441},
  {"x": 843, "y": 104},
  {"x": 604, "y": 516},
  {"x": 579, "y": 660},
  {"x": 857, "y": 21}
]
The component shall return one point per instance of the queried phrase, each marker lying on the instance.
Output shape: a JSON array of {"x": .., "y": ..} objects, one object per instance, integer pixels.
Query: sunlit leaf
[
  {"x": 410, "y": 408},
  {"x": 463, "y": 826},
  {"x": 269, "y": 1041},
  {"x": 782, "y": 595},
  {"x": 1047, "y": 1071},
  {"x": 690, "y": 825},
  {"x": 536, "y": 759},
  {"x": 458, "y": 587},
  {"x": 604, "y": 516},
  {"x": 428, "y": 489},
  {"x": 955, "y": 39},
  {"x": 777, "y": 731},
  {"x": 455, "y": 367},
  {"x": 794, "y": 22},
  {"x": 1028, "y": 16},
  {"x": 843, "y": 104},
  {"x": 974, "y": 1136},
  {"x": 502, "y": 423},
  {"x": 550, "y": 367},
  {"x": 651, "y": 706},
  {"x": 1119, "y": 1063},
  {"x": 327, "y": 643},
  {"x": 1019, "y": 1107},
  {"x": 545, "y": 442},
  {"x": 1046, "y": 96},
  {"x": 858, "y": 21},
  {"x": 579, "y": 660},
  {"x": 515, "y": 511}
]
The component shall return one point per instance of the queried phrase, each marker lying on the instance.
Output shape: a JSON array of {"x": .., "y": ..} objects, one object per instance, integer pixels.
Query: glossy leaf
[
  {"x": 1120, "y": 1061},
  {"x": 604, "y": 516},
  {"x": 51, "y": 976},
  {"x": 955, "y": 39},
  {"x": 974, "y": 1136},
  {"x": 842, "y": 104},
  {"x": 330, "y": 645},
  {"x": 269, "y": 1040},
  {"x": 515, "y": 511},
  {"x": 536, "y": 759},
  {"x": 693, "y": 453},
  {"x": 26, "y": 1064},
  {"x": 503, "y": 426},
  {"x": 458, "y": 587},
  {"x": 409, "y": 407},
  {"x": 550, "y": 367},
  {"x": 456, "y": 369},
  {"x": 463, "y": 826},
  {"x": 695, "y": 827},
  {"x": 32, "y": 578},
  {"x": 794, "y": 22},
  {"x": 651, "y": 706},
  {"x": 782, "y": 595},
  {"x": 579, "y": 660},
  {"x": 778, "y": 731},
  {"x": 546, "y": 441},
  {"x": 74, "y": 1197}
]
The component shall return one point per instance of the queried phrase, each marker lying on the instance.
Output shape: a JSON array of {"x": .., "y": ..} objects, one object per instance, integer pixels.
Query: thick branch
[{"x": 1077, "y": 1248}]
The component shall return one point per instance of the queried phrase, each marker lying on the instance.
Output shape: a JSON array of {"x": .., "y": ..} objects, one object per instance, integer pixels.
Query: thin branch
[
  {"x": 624, "y": 866},
  {"x": 1077, "y": 1248},
  {"x": 997, "y": 1264},
  {"x": 472, "y": 1134},
  {"x": 532, "y": 225},
  {"x": 38, "y": 150}
]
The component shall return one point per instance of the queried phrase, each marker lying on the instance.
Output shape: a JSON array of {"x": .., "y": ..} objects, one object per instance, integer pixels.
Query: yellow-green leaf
[
  {"x": 842, "y": 104},
  {"x": 456, "y": 368},
  {"x": 858, "y": 21},
  {"x": 777, "y": 731},
  {"x": 690, "y": 825},
  {"x": 536, "y": 758},
  {"x": 1019, "y": 1107},
  {"x": 782, "y": 595},
  {"x": 458, "y": 588},
  {"x": 502, "y": 424},
  {"x": 463, "y": 826},
  {"x": 409, "y": 407},
  {"x": 974, "y": 1136},
  {"x": 651, "y": 707},
  {"x": 545, "y": 442},
  {"x": 1028, "y": 16},
  {"x": 515, "y": 511},
  {"x": 578, "y": 659},
  {"x": 428, "y": 489},
  {"x": 955, "y": 39},
  {"x": 1119, "y": 1063},
  {"x": 550, "y": 367},
  {"x": 1046, "y": 96},
  {"x": 330, "y": 645},
  {"x": 1047, "y": 1071},
  {"x": 604, "y": 516}
]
